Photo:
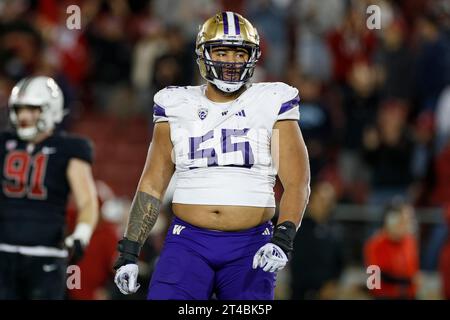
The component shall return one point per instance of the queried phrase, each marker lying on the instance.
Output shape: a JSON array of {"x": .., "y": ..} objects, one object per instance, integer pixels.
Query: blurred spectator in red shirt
[
  {"x": 351, "y": 42},
  {"x": 395, "y": 251}
]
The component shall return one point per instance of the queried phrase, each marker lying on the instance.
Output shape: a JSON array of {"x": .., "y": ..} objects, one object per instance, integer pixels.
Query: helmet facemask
[
  {"x": 30, "y": 132},
  {"x": 228, "y": 76}
]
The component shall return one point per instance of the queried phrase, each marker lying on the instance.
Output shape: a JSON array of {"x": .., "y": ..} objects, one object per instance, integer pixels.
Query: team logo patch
[
  {"x": 202, "y": 113},
  {"x": 177, "y": 229}
]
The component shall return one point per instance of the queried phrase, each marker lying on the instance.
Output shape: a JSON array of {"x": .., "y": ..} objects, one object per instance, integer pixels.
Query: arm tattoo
[{"x": 143, "y": 215}]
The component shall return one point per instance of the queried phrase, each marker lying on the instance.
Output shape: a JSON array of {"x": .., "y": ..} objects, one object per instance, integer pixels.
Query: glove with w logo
[
  {"x": 126, "y": 266},
  {"x": 273, "y": 256}
]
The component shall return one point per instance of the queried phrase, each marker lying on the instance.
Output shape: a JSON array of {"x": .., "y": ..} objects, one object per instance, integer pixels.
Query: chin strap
[{"x": 227, "y": 87}]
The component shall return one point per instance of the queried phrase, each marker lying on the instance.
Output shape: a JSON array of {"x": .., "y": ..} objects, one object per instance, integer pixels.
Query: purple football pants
[{"x": 197, "y": 263}]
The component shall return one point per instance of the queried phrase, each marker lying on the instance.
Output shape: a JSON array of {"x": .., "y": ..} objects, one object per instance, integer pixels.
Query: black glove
[
  {"x": 76, "y": 252},
  {"x": 129, "y": 252},
  {"x": 283, "y": 236}
]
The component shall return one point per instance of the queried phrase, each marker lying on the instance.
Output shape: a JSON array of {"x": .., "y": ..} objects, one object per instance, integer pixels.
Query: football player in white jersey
[{"x": 225, "y": 141}]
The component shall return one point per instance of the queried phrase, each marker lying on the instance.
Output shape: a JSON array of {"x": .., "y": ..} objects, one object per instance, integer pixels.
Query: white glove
[
  {"x": 270, "y": 257},
  {"x": 83, "y": 232},
  {"x": 126, "y": 278}
]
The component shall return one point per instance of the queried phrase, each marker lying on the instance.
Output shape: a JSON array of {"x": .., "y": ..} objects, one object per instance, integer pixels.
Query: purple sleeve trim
[
  {"x": 159, "y": 111},
  {"x": 289, "y": 105}
]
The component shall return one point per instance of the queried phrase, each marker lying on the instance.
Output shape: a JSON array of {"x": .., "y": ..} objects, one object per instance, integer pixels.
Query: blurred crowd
[{"x": 375, "y": 104}]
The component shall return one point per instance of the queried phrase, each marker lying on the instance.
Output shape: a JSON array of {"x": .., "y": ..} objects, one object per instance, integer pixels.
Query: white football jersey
[{"x": 222, "y": 151}]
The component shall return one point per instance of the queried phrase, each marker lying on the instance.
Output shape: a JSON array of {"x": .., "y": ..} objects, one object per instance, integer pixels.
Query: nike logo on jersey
[
  {"x": 266, "y": 232},
  {"x": 177, "y": 229},
  {"x": 49, "y": 267},
  {"x": 48, "y": 150}
]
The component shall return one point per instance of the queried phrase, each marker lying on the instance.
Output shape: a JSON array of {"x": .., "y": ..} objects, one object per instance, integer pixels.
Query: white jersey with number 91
[{"x": 224, "y": 152}]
